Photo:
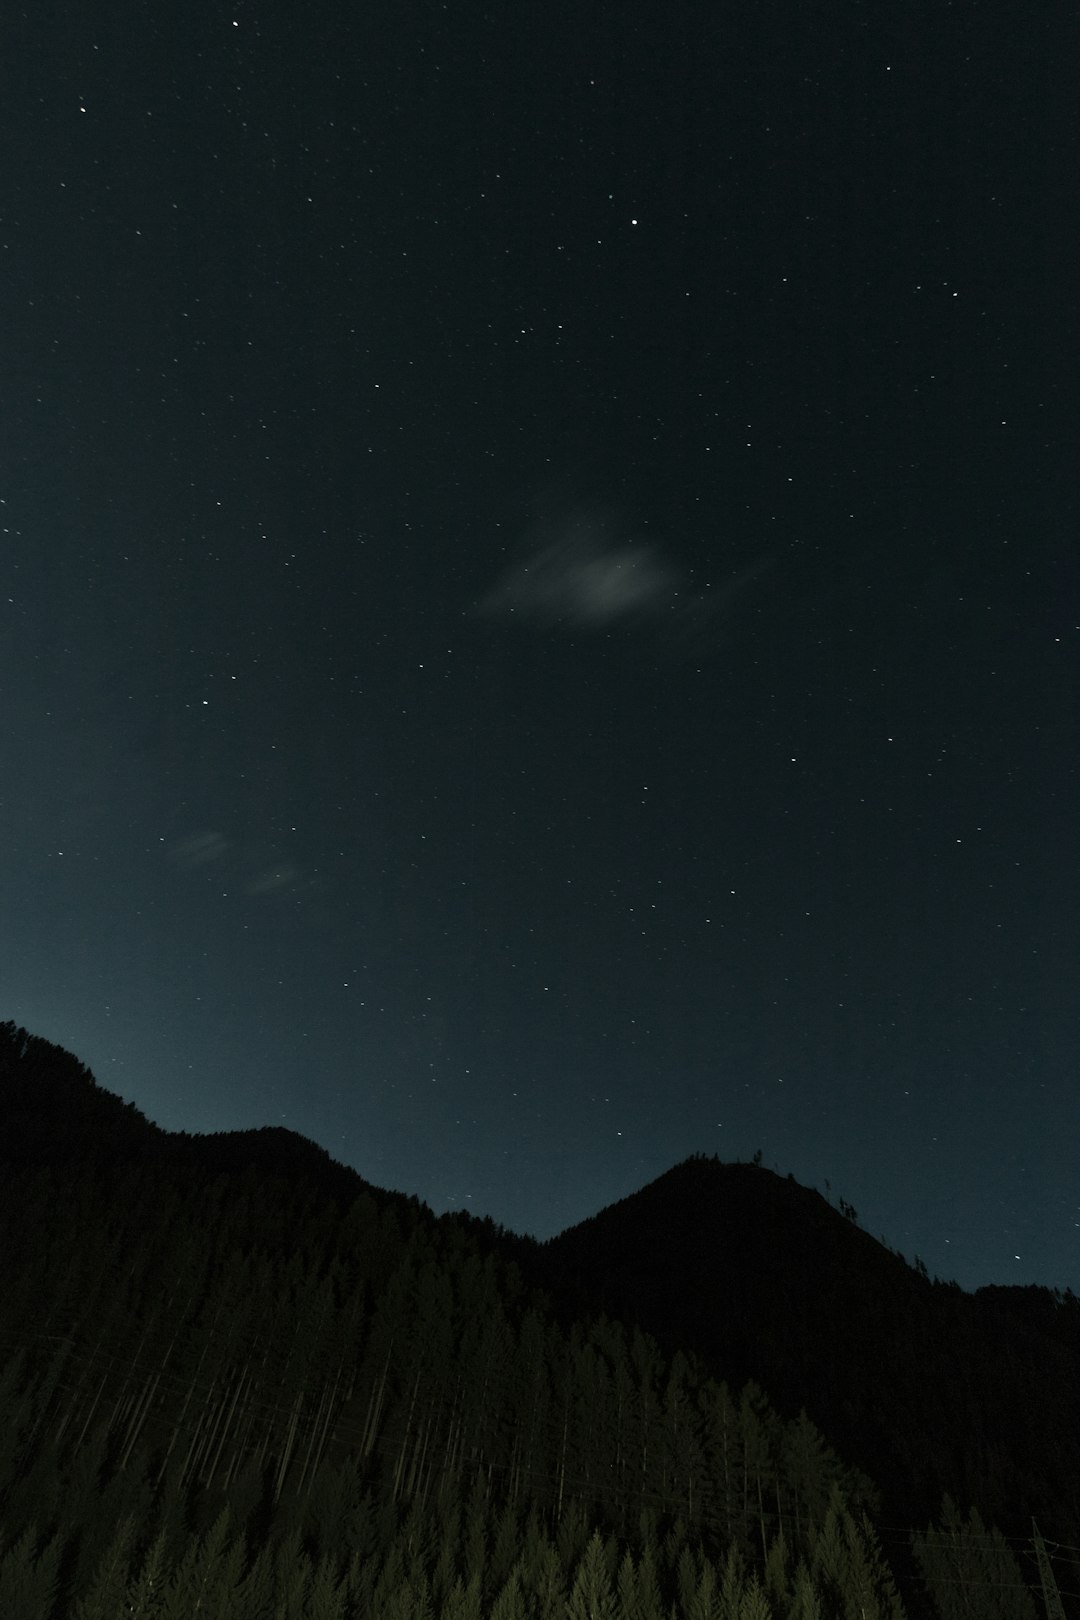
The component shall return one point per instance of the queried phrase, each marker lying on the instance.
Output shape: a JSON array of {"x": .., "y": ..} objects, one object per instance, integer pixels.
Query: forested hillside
[
  {"x": 236, "y": 1380},
  {"x": 931, "y": 1389}
]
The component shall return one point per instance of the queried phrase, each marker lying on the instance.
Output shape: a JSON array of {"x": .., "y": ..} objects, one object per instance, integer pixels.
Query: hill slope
[
  {"x": 929, "y": 1388},
  {"x": 231, "y": 1354}
]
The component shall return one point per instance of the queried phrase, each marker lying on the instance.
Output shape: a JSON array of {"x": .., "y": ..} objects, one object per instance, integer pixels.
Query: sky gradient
[{"x": 540, "y": 599}]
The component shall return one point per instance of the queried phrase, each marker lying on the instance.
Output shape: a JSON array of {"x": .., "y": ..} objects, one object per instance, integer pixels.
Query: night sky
[{"x": 538, "y": 593}]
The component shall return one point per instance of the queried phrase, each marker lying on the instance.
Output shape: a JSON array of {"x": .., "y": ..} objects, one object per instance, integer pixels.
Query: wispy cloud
[
  {"x": 581, "y": 578},
  {"x": 199, "y": 848},
  {"x": 579, "y": 575},
  {"x": 285, "y": 876},
  {"x": 249, "y": 866}
]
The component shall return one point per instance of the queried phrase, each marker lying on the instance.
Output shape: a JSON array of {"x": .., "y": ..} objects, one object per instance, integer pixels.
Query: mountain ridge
[{"x": 923, "y": 1387}]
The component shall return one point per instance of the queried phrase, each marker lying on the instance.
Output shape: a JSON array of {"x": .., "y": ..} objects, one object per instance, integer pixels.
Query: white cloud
[
  {"x": 198, "y": 849},
  {"x": 579, "y": 576},
  {"x": 250, "y": 865}
]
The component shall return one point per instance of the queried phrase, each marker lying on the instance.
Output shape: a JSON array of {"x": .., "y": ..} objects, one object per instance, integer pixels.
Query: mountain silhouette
[
  {"x": 722, "y": 1366},
  {"x": 924, "y": 1385}
]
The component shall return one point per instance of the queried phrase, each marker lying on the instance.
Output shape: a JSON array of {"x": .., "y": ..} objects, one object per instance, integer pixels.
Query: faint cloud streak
[
  {"x": 250, "y": 866},
  {"x": 581, "y": 578},
  {"x": 576, "y": 575},
  {"x": 199, "y": 849},
  {"x": 285, "y": 876}
]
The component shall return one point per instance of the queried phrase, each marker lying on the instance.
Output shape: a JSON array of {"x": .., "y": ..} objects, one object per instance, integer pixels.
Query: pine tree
[
  {"x": 145, "y": 1597},
  {"x": 626, "y": 1588},
  {"x": 650, "y": 1605},
  {"x": 546, "y": 1584},
  {"x": 535, "y": 1550},
  {"x": 410, "y": 1601},
  {"x": 463, "y": 1602},
  {"x": 777, "y": 1585},
  {"x": 360, "y": 1582},
  {"x": 391, "y": 1577},
  {"x": 810, "y": 1470},
  {"x": 731, "y": 1584},
  {"x": 705, "y": 1603},
  {"x": 105, "y": 1597},
  {"x": 760, "y": 1431},
  {"x": 292, "y": 1577},
  {"x": 969, "y": 1571},
  {"x": 445, "y": 1571},
  {"x": 505, "y": 1548},
  {"x": 510, "y": 1603},
  {"x": 326, "y": 1600},
  {"x": 257, "y": 1591},
  {"x": 686, "y": 1579},
  {"x": 29, "y": 1577},
  {"x": 846, "y": 1556},
  {"x": 591, "y": 1596},
  {"x": 417, "y": 1541},
  {"x": 804, "y": 1599},
  {"x": 476, "y": 1533},
  {"x": 573, "y": 1533},
  {"x": 208, "y": 1575},
  {"x": 724, "y": 1443},
  {"x": 754, "y": 1605}
]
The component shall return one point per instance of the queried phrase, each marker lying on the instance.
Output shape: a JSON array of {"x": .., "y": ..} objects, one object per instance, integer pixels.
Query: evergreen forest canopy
[{"x": 236, "y": 1380}]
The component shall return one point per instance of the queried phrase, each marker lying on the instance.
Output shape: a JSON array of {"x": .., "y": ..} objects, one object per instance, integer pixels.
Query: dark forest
[{"x": 238, "y": 1381}]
